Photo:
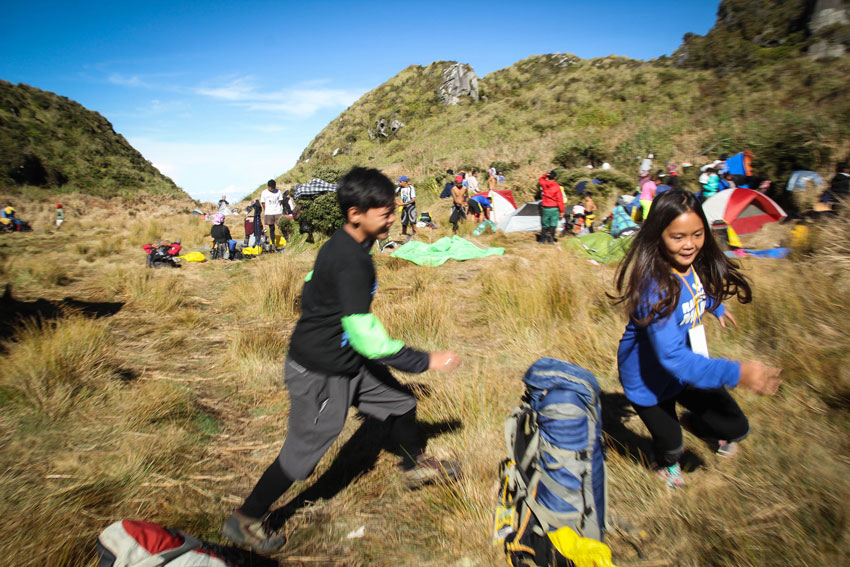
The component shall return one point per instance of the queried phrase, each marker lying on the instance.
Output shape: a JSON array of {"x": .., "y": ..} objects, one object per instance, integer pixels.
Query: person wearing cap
[
  {"x": 60, "y": 215},
  {"x": 405, "y": 197},
  {"x": 460, "y": 196}
]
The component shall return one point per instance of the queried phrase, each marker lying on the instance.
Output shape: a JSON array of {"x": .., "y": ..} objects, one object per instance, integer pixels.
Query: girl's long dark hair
[{"x": 647, "y": 262}]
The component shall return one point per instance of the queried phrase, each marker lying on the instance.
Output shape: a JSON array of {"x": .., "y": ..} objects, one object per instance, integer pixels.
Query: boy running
[{"x": 336, "y": 355}]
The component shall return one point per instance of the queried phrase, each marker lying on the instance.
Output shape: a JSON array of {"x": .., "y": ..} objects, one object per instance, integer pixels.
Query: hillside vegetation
[
  {"x": 50, "y": 144},
  {"x": 747, "y": 84}
]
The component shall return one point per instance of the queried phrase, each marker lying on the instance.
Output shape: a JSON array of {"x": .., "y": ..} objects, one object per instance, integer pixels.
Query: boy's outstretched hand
[
  {"x": 760, "y": 378},
  {"x": 443, "y": 360}
]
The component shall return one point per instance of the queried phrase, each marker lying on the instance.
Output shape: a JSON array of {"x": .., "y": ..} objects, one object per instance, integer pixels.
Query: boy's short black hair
[
  {"x": 272, "y": 183},
  {"x": 365, "y": 188}
]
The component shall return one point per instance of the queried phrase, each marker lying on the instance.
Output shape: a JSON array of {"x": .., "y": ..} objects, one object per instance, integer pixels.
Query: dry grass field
[{"x": 127, "y": 392}]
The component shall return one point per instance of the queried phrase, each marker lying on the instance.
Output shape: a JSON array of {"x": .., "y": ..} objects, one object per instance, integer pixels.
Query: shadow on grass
[
  {"x": 616, "y": 410},
  {"x": 14, "y": 313}
]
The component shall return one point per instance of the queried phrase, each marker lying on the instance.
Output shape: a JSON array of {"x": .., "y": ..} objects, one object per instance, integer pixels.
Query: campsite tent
[
  {"x": 525, "y": 218},
  {"x": 502, "y": 201},
  {"x": 744, "y": 209}
]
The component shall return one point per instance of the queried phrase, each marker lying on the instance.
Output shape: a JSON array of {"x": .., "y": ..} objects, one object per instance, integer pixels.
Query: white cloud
[
  {"x": 208, "y": 170},
  {"x": 299, "y": 101}
]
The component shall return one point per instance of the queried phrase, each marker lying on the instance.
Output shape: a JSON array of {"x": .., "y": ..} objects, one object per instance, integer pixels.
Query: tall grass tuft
[{"x": 51, "y": 366}]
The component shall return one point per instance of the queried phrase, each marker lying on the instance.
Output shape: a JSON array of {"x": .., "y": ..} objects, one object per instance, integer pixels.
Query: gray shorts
[
  {"x": 408, "y": 215},
  {"x": 318, "y": 406}
]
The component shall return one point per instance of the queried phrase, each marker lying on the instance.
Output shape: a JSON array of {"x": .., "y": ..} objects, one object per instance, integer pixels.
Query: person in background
[
  {"x": 447, "y": 188},
  {"x": 60, "y": 215},
  {"x": 551, "y": 204},
  {"x": 460, "y": 196},
  {"x": 672, "y": 176},
  {"x": 221, "y": 234},
  {"x": 405, "y": 196},
  {"x": 673, "y": 275},
  {"x": 472, "y": 181},
  {"x": 492, "y": 178},
  {"x": 479, "y": 206},
  {"x": 589, "y": 211},
  {"x": 648, "y": 189},
  {"x": 711, "y": 185},
  {"x": 501, "y": 176},
  {"x": 272, "y": 202},
  {"x": 223, "y": 205}
]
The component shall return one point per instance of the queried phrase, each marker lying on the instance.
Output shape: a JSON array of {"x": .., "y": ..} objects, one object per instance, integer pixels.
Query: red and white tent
[
  {"x": 744, "y": 210},
  {"x": 502, "y": 201}
]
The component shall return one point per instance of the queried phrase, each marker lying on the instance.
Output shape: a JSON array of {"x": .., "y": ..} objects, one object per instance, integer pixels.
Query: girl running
[{"x": 673, "y": 274}]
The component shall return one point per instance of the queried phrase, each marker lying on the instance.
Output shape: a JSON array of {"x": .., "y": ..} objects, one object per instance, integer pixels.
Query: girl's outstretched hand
[
  {"x": 760, "y": 378},
  {"x": 727, "y": 316},
  {"x": 443, "y": 360}
]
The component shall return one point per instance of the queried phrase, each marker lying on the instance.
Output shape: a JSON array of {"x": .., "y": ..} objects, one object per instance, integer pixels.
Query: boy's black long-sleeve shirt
[{"x": 336, "y": 330}]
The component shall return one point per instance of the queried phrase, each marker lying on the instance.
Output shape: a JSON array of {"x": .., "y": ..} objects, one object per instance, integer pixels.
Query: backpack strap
[{"x": 163, "y": 557}]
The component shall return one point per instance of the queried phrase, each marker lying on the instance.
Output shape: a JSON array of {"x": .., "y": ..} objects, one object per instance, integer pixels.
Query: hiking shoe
[
  {"x": 726, "y": 449},
  {"x": 429, "y": 470},
  {"x": 672, "y": 475},
  {"x": 252, "y": 533}
]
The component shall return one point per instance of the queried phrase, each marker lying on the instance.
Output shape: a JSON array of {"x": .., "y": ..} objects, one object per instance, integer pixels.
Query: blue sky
[{"x": 222, "y": 96}]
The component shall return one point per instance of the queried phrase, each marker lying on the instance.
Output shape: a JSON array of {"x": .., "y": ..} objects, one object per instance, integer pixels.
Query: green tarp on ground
[
  {"x": 446, "y": 248},
  {"x": 599, "y": 246}
]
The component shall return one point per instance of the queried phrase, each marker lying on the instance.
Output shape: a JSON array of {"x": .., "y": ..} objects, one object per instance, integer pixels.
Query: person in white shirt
[
  {"x": 472, "y": 181},
  {"x": 272, "y": 201},
  {"x": 405, "y": 197}
]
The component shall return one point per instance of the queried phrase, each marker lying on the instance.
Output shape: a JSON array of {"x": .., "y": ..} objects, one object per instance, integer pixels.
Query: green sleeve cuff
[{"x": 368, "y": 337}]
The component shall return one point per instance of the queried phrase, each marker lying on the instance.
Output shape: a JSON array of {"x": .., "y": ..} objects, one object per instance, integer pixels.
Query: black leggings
[{"x": 715, "y": 416}]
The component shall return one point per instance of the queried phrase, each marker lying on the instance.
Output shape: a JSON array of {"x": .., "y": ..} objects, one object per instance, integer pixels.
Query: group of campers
[{"x": 339, "y": 354}]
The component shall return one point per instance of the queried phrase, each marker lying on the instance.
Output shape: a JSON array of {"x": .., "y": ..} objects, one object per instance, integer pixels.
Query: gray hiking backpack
[{"x": 555, "y": 475}]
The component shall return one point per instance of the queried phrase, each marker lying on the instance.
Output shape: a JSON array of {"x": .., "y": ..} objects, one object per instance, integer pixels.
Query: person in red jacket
[{"x": 551, "y": 204}]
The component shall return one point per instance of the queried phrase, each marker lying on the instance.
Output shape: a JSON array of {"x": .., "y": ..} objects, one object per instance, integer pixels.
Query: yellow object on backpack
[
  {"x": 279, "y": 241},
  {"x": 800, "y": 237},
  {"x": 252, "y": 251},
  {"x": 194, "y": 257},
  {"x": 582, "y": 551},
  {"x": 734, "y": 239}
]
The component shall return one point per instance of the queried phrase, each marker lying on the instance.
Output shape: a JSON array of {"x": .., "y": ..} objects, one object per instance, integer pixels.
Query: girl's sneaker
[{"x": 672, "y": 475}]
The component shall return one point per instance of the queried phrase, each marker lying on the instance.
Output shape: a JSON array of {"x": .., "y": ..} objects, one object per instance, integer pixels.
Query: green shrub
[
  {"x": 504, "y": 166},
  {"x": 329, "y": 173},
  {"x": 579, "y": 152},
  {"x": 286, "y": 226},
  {"x": 322, "y": 213}
]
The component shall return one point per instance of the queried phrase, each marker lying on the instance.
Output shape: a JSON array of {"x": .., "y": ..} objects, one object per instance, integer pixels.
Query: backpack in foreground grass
[
  {"x": 133, "y": 543},
  {"x": 555, "y": 475}
]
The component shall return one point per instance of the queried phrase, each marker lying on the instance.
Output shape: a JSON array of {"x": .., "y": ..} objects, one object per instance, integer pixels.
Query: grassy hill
[
  {"x": 54, "y": 143},
  {"x": 760, "y": 91}
]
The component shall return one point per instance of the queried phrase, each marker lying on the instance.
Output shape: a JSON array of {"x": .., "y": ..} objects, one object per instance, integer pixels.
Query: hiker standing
[
  {"x": 711, "y": 185},
  {"x": 472, "y": 181},
  {"x": 839, "y": 186},
  {"x": 459, "y": 199},
  {"x": 673, "y": 274},
  {"x": 552, "y": 205},
  {"x": 223, "y": 205},
  {"x": 60, "y": 215},
  {"x": 648, "y": 189},
  {"x": 338, "y": 357},
  {"x": 589, "y": 212},
  {"x": 492, "y": 178},
  {"x": 406, "y": 199},
  {"x": 272, "y": 202}
]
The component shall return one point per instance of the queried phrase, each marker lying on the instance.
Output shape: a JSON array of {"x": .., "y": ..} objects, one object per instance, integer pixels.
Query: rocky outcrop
[
  {"x": 459, "y": 80},
  {"x": 828, "y": 14},
  {"x": 384, "y": 127}
]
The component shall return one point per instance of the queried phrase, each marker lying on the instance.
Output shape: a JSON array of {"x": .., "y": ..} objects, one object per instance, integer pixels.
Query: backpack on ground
[
  {"x": 131, "y": 543},
  {"x": 555, "y": 475}
]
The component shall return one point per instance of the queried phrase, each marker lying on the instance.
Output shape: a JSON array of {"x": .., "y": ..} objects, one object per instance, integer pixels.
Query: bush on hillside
[
  {"x": 322, "y": 214},
  {"x": 286, "y": 226},
  {"x": 504, "y": 166},
  {"x": 580, "y": 152},
  {"x": 611, "y": 181},
  {"x": 329, "y": 173}
]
